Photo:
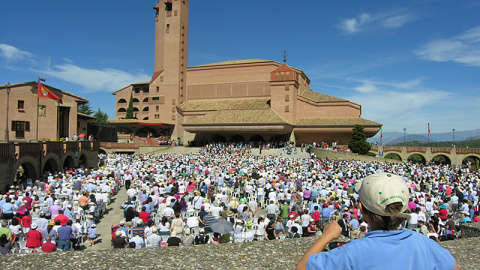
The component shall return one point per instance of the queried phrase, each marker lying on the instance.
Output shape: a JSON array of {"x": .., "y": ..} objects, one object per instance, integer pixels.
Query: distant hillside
[
  {"x": 462, "y": 144},
  {"x": 392, "y": 138}
]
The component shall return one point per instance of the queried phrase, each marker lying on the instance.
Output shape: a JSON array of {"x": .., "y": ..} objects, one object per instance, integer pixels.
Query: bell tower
[{"x": 168, "y": 84}]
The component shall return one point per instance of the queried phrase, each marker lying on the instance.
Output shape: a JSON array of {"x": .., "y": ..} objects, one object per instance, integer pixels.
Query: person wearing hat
[
  {"x": 92, "y": 234},
  {"x": 34, "y": 237},
  {"x": 383, "y": 201},
  {"x": 120, "y": 241}
]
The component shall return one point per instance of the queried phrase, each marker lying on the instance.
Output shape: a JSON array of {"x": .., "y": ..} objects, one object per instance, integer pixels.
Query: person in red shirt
[
  {"x": 48, "y": 246},
  {"x": 34, "y": 237},
  {"x": 316, "y": 215},
  {"x": 477, "y": 216},
  {"x": 63, "y": 219},
  {"x": 26, "y": 222},
  {"x": 144, "y": 215},
  {"x": 29, "y": 200}
]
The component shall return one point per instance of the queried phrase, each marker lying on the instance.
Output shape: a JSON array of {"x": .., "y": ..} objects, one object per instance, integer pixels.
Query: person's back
[{"x": 383, "y": 202}]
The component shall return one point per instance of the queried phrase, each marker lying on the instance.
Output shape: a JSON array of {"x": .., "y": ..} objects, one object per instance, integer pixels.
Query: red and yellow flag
[{"x": 44, "y": 92}]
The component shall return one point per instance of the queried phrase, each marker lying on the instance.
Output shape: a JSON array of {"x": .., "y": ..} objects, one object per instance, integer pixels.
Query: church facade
[{"x": 241, "y": 101}]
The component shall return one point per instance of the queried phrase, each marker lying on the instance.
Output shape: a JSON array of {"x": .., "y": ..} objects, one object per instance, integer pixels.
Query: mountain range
[{"x": 391, "y": 138}]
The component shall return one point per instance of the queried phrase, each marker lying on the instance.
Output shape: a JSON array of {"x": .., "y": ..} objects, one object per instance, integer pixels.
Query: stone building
[
  {"x": 245, "y": 100},
  {"x": 53, "y": 121}
]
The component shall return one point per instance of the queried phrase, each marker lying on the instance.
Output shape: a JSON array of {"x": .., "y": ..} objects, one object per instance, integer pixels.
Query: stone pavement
[{"x": 112, "y": 218}]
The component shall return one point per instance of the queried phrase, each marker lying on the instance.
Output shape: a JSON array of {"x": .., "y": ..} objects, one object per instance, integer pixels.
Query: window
[
  {"x": 175, "y": 13},
  {"x": 287, "y": 108},
  {"x": 155, "y": 98},
  {"x": 161, "y": 79},
  {"x": 158, "y": 88},
  {"x": 287, "y": 97},
  {"x": 20, "y": 127},
  {"x": 287, "y": 87},
  {"x": 21, "y": 105},
  {"x": 168, "y": 28},
  {"x": 157, "y": 108},
  {"x": 173, "y": 109},
  {"x": 173, "y": 101}
]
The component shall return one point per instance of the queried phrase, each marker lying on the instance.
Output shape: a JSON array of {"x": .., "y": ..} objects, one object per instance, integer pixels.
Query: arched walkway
[
  {"x": 417, "y": 158},
  {"x": 237, "y": 139},
  {"x": 28, "y": 170},
  {"x": 50, "y": 166},
  {"x": 68, "y": 162},
  {"x": 393, "y": 156},
  {"x": 218, "y": 138},
  {"x": 441, "y": 159},
  {"x": 257, "y": 138}
]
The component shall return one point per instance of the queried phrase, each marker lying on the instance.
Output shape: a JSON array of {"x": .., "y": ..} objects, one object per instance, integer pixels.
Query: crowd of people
[{"x": 177, "y": 199}]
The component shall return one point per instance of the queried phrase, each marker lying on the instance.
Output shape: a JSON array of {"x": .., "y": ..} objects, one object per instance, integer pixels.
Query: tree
[
  {"x": 130, "y": 108},
  {"x": 85, "y": 109},
  {"x": 101, "y": 118},
  {"x": 358, "y": 144}
]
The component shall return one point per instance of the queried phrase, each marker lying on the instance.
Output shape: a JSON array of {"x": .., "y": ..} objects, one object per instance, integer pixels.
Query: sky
[{"x": 407, "y": 63}]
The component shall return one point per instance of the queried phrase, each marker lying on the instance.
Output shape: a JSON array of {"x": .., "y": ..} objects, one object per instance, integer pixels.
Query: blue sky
[{"x": 408, "y": 63}]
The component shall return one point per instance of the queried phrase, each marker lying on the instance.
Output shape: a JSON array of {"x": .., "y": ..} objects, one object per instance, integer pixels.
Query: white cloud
[
  {"x": 108, "y": 79},
  {"x": 464, "y": 49},
  {"x": 11, "y": 53},
  {"x": 366, "y": 21}
]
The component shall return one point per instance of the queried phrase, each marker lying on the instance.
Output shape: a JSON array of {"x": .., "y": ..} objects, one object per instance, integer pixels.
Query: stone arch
[
  {"x": 218, "y": 138},
  {"x": 121, "y": 110},
  {"x": 135, "y": 100},
  {"x": 68, "y": 162},
  {"x": 145, "y": 99},
  {"x": 135, "y": 109},
  {"x": 280, "y": 138},
  {"x": 29, "y": 169},
  {"x": 102, "y": 151},
  {"x": 122, "y": 101},
  {"x": 257, "y": 138},
  {"x": 417, "y": 158},
  {"x": 82, "y": 161},
  {"x": 145, "y": 118},
  {"x": 393, "y": 155},
  {"x": 145, "y": 109},
  {"x": 441, "y": 159},
  {"x": 50, "y": 165},
  {"x": 472, "y": 159},
  {"x": 237, "y": 138}
]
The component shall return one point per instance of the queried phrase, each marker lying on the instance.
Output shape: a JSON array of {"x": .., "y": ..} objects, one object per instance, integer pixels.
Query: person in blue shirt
[
  {"x": 383, "y": 200},
  {"x": 92, "y": 234}
]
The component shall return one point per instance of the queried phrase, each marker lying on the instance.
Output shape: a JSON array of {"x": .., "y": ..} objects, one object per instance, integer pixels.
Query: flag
[
  {"x": 381, "y": 134},
  {"x": 429, "y": 133},
  {"x": 44, "y": 92}
]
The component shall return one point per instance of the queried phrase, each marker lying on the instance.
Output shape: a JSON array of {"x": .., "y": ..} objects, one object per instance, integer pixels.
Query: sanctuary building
[{"x": 241, "y": 101}]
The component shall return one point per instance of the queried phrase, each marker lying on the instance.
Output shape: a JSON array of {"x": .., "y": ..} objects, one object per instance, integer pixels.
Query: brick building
[
  {"x": 55, "y": 120},
  {"x": 245, "y": 100}
]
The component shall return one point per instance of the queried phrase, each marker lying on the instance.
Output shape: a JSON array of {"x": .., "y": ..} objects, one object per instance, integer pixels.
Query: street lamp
[
  {"x": 404, "y": 136},
  {"x": 453, "y": 138},
  {"x": 7, "y": 137}
]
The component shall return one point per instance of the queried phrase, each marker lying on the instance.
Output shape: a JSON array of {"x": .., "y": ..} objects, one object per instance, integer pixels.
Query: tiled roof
[
  {"x": 319, "y": 97},
  {"x": 236, "y": 62},
  {"x": 334, "y": 122},
  {"x": 238, "y": 117},
  {"x": 224, "y": 104}
]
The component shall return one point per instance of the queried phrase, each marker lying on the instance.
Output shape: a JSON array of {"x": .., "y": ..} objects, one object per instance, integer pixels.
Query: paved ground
[{"x": 112, "y": 218}]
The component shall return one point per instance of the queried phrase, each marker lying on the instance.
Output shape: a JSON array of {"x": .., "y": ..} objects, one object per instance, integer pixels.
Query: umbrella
[
  {"x": 81, "y": 136},
  {"x": 221, "y": 226}
]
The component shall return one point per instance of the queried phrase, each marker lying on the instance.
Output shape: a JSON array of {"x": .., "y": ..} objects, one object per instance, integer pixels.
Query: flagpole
[
  {"x": 428, "y": 135},
  {"x": 38, "y": 103}
]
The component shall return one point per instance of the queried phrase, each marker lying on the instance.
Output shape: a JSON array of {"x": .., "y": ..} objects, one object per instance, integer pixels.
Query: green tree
[
  {"x": 101, "y": 118},
  {"x": 130, "y": 108},
  {"x": 358, "y": 144},
  {"x": 85, "y": 109}
]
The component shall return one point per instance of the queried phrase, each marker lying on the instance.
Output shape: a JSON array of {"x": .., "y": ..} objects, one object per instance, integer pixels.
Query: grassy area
[{"x": 461, "y": 144}]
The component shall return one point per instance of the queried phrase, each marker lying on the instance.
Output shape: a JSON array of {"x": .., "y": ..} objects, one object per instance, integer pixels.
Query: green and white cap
[{"x": 378, "y": 190}]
